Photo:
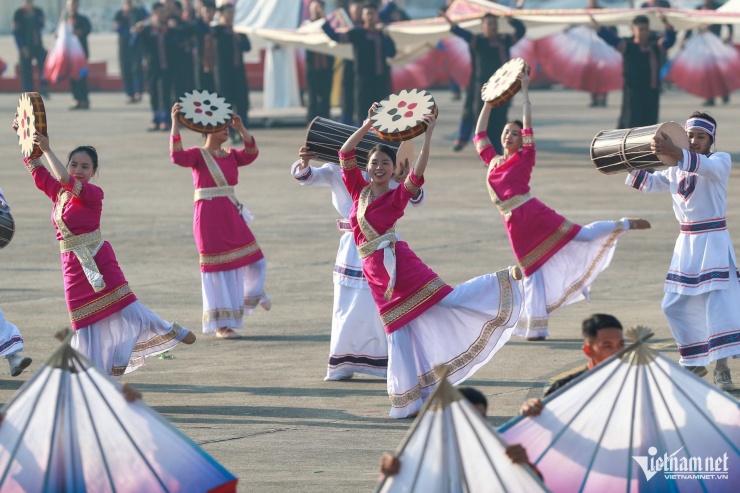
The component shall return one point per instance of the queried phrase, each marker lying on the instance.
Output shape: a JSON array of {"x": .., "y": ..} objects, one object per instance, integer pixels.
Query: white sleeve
[
  {"x": 648, "y": 182},
  {"x": 715, "y": 167},
  {"x": 418, "y": 199},
  {"x": 312, "y": 176}
]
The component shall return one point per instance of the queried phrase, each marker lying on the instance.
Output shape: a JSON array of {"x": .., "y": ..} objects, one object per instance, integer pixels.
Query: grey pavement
[{"x": 259, "y": 405}]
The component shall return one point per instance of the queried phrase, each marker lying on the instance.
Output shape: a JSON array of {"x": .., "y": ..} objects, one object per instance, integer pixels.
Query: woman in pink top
[
  {"x": 559, "y": 259},
  {"x": 232, "y": 265},
  {"x": 427, "y": 322},
  {"x": 111, "y": 327}
]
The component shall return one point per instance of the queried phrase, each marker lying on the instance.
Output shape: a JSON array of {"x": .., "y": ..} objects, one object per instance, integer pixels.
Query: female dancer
[
  {"x": 231, "y": 263},
  {"x": 427, "y": 322},
  {"x": 358, "y": 342},
  {"x": 112, "y": 328},
  {"x": 559, "y": 259}
]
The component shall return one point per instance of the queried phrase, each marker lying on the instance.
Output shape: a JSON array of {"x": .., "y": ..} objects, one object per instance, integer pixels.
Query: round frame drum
[
  {"x": 325, "y": 137},
  {"x": 504, "y": 83},
  {"x": 31, "y": 118},
  {"x": 7, "y": 228},
  {"x": 627, "y": 149},
  {"x": 204, "y": 112},
  {"x": 400, "y": 116}
]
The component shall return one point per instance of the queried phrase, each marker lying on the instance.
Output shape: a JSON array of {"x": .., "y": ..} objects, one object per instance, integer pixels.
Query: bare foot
[
  {"x": 188, "y": 339},
  {"x": 638, "y": 223},
  {"x": 130, "y": 393},
  {"x": 266, "y": 303},
  {"x": 224, "y": 333}
]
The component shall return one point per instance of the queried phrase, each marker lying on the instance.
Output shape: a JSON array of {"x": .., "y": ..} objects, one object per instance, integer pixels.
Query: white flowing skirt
[
  {"x": 229, "y": 295},
  {"x": 567, "y": 276},
  {"x": 11, "y": 341},
  {"x": 706, "y": 326},
  {"x": 463, "y": 332},
  {"x": 358, "y": 341},
  {"x": 119, "y": 343}
]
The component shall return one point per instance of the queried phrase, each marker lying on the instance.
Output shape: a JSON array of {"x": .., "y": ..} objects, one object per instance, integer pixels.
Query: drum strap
[
  {"x": 623, "y": 151},
  {"x": 386, "y": 242},
  {"x": 84, "y": 246},
  {"x": 222, "y": 188}
]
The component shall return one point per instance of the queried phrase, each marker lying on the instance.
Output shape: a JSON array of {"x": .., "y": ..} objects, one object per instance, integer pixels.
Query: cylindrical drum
[
  {"x": 325, "y": 137},
  {"x": 7, "y": 228},
  {"x": 626, "y": 149}
]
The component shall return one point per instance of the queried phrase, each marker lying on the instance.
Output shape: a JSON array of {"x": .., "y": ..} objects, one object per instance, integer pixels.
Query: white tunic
[{"x": 703, "y": 255}]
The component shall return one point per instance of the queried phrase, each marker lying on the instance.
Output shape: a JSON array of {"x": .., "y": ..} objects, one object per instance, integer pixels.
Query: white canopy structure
[
  {"x": 69, "y": 428},
  {"x": 636, "y": 423},
  {"x": 451, "y": 448}
]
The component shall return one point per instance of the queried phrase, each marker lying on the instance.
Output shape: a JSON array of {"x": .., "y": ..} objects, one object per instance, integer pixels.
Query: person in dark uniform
[
  {"x": 28, "y": 23},
  {"x": 129, "y": 54},
  {"x": 181, "y": 49},
  {"x": 488, "y": 51},
  {"x": 81, "y": 27},
  {"x": 152, "y": 35},
  {"x": 348, "y": 72},
  {"x": 715, "y": 29},
  {"x": 231, "y": 77},
  {"x": 371, "y": 47},
  {"x": 602, "y": 338},
  {"x": 641, "y": 55},
  {"x": 206, "y": 47},
  {"x": 319, "y": 73}
]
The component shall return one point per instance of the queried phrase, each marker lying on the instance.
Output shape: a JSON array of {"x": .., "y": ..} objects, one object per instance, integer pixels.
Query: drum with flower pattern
[{"x": 401, "y": 116}]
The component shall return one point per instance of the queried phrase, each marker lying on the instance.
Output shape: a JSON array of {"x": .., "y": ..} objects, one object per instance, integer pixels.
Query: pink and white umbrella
[
  {"x": 578, "y": 58},
  {"x": 638, "y": 422},
  {"x": 706, "y": 67},
  {"x": 66, "y": 59}
]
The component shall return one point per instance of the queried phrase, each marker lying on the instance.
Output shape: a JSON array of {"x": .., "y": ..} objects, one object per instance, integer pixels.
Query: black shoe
[
  {"x": 458, "y": 146},
  {"x": 708, "y": 102}
]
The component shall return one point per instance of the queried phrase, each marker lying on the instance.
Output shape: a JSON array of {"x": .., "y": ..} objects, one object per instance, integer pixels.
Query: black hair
[
  {"x": 640, "y": 19},
  {"x": 516, "y": 122},
  {"x": 488, "y": 15},
  {"x": 386, "y": 149},
  {"x": 593, "y": 324},
  {"x": 706, "y": 116},
  {"x": 90, "y": 151},
  {"x": 209, "y": 4},
  {"x": 474, "y": 396},
  {"x": 157, "y": 6},
  {"x": 177, "y": 4},
  {"x": 225, "y": 6},
  {"x": 370, "y": 5}
]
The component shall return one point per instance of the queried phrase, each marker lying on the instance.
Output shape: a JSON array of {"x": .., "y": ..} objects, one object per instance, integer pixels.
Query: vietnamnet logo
[{"x": 674, "y": 467}]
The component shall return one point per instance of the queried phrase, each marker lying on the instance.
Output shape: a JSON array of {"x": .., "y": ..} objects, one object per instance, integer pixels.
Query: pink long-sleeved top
[
  {"x": 535, "y": 231},
  {"x": 77, "y": 209},
  {"x": 417, "y": 287},
  {"x": 224, "y": 240}
]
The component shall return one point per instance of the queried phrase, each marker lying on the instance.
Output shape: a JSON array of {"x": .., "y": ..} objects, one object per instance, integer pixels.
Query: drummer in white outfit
[
  {"x": 358, "y": 340},
  {"x": 702, "y": 289},
  {"x": 11, "y": 342}
]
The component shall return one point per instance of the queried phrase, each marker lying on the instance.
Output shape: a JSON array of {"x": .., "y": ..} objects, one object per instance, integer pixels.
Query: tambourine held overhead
[
  {"x": 401, "y": 116},
  {"x": 504, "y": 83},
  {"x": 31, "y": 119},
  {"x": 627, "y": 149},
  {"x": 204, "y": 112}
]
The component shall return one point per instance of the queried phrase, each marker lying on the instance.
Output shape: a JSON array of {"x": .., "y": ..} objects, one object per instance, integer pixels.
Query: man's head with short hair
[
  {"x": 369, "y": 15},
  {"x": 476, "y": 398},
  {"x": 640, "y": 29},
  {"x": 602, "y": 337},
  {"x": 489, "y": 25},
  {"x": 701, "y": 128}
]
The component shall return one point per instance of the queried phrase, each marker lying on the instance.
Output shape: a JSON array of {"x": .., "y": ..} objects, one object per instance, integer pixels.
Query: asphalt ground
[{"x": 259, "y": 405}]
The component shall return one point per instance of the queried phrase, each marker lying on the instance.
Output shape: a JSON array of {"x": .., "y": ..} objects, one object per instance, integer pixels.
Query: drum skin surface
[
  {"x": 504, "y": 83},
  {"x": 204, "y": 112},
  {"x": 400, "y": 116},
  {"x": 31, "y": 118}
]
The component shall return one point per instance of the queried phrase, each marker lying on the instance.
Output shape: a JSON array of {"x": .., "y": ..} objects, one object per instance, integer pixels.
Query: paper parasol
[
  {"x": 580, "y": 59},
  {"x": 706, "y": 67},
  {"x": 611, "y": 429},
  {"x": 69, "y": 428},
  {"x": 451, "y": 448}
]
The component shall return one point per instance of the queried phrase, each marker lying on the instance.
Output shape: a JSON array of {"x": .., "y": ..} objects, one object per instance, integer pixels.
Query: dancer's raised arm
[
  {"x": 59, "y": 170},
  {"x": 354, "y": 139},
  {"x": 421, "y": 163},
  {"x": 526, "y": 105},
  {"x": 485, "y": 113}
]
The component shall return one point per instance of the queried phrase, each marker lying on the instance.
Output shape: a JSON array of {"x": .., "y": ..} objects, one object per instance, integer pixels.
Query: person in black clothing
[
  {"x": 641, "y": 55},
  {"x": 231, "y": 77},
  {"x": 81, "y": 27},
  {"x": 206, "y": 47},
  {"x": 488, "y": 51},
  {"x": 371, "y": 47},
  {"x": 181, "y": 48},
  {"x": 348, "y": 72},
  {"x": 28, "y": 23},
  {"x": 129, "y": 53},
  {"x": 602, "y": 338},
  {"x": 319, "y": 73},
  {"x": 152, "y": 35},
  {"x": 715, "y": 29}
]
